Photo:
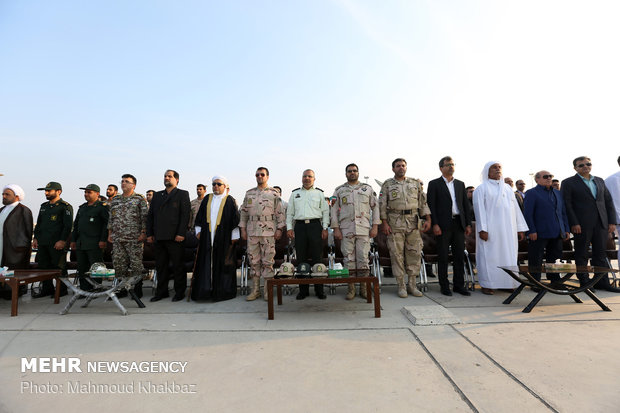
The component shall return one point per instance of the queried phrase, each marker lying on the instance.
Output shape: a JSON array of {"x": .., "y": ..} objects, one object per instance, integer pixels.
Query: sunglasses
[
  {"x": 547, "y": 177},
  {"x": 261, "y": 174},
  {"x": 217, "y": 184},
  {"x": 352, "y": 171},
  {"x": 581, "y": 165}
]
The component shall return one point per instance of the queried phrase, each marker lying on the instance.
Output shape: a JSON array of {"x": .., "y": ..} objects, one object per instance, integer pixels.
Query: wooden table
[
  {"x": 372, "y": 288},
  {"x": 564, "y": 286},
  {"x": 25, "y": 277}
]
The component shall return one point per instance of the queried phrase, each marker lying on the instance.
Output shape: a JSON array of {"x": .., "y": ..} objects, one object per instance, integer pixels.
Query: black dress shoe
[
  {"x": 301, "y": 296},
  {"x": 158, "y": 297},
  {"x": 321, "y": 296},
  {"x": 177, "y": 298},
  {"x": 462, "y": 291},
  {"x": 446, "y": 291}
]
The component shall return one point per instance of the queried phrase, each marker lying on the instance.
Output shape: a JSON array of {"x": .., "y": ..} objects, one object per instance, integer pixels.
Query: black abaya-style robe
[{"x": 215, "y": 271}]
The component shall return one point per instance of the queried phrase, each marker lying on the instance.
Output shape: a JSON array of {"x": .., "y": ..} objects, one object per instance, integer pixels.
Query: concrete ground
[{"x": 318, "y": 355}]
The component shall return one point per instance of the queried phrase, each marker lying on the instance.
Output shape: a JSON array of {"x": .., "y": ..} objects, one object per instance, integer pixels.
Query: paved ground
[{"x": 318, "y": 356}]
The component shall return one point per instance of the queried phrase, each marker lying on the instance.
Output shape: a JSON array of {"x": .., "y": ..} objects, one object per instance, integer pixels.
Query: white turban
[
  {"x": 17, "y": 190},
  {"x": 220, "y": 178}
]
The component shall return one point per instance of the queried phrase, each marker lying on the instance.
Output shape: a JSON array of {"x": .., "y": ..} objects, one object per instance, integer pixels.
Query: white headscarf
[
  {"x": 17, "y": 190},
  {"x": 485, "y": 171},
  {"x": 493, "y": 187}
]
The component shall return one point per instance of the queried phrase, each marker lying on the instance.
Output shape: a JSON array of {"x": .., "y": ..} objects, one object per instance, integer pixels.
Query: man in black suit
[
  {"x": 451, "y": 217},
  {"x": 166, "y": 225},
  {"x": 591, "y": 217}
]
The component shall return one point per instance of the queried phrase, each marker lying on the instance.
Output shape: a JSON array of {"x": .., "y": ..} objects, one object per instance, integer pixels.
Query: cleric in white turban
[
  {"x": 15, "y": 229},
  {"x": 215, "y": 271}
]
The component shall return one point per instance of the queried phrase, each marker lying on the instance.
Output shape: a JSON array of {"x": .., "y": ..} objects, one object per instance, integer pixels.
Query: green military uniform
[
  {"x": 89, "y": 229},
  {"x": 402, "y": 204},
  {"x": 53, "y": 224},
  {"x": 308, "y": 214}
]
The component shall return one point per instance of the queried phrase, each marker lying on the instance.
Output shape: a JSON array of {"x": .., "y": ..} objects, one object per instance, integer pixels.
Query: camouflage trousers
[
  {"x": 405, "y": 253},
  {"x": 261, "y": 251},
  {"x": 127, "y": 258},
  {"x": 355, "y": 251}
]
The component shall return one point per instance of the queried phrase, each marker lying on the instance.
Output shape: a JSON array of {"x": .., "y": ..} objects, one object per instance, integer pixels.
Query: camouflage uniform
[
  {"x": 402, "y": 203},
  {"x": 127, "y": 223},
  {"x": 355, "y": 212},
  {"x": 194, "y": 206},
  {"x": 261, "y": 215}
]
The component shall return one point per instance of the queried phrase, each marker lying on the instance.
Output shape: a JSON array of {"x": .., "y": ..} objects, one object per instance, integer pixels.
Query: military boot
[
  {"x": 351, "y": 292},
  {"x": 363, "y": 290},
  {"x": 402, "y": 290},
  {"x": 413, "y": 289},
  {"x": 255, "y": 289}
]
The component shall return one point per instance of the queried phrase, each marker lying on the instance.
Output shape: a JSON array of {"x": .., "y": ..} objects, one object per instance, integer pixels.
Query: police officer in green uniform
[
  {"x": 90, "y": 232},
  {"x": 51, "y": 235},
  {"x": 307, "y": 220}
]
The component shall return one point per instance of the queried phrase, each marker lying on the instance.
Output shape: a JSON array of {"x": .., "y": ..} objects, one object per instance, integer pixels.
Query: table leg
[
  {"x": 269, "y": 300},
  {"x": 596, "y": 300},
  {"x": 369, "y": 290},
  {"x": 279, "y": 290},
  {"x": 57, "y": 292},
  {"x": 377, "y": 300},
  {"x": 577, "y": 299},
  {"x": 535, "y": 301},
  {"x": 514, "y": 294},
  {"x": 14, "y": 296}
]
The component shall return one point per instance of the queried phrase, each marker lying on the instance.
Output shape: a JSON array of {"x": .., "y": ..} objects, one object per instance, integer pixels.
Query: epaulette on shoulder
[
  {"x": 62, "y": 201},
  {"x": 140, "y": 195},
  {"x": 296, "y": 189},
  {"x": 339, "y": 186},
  {"x": 319, "y": 189}
]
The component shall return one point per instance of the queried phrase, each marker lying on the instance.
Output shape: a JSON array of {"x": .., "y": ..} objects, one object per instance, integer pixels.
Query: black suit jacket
[
  {"x": 440, "y": 203},
  {"x": 168, "y": 215},
  {"x": 581, "y": 207},
  {"x": 17, "y": 238}
]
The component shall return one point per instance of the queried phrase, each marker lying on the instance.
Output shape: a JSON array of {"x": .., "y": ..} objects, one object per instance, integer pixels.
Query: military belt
[
  {"x": 401, "y": 211},
  {"x": 262, "y": 217}
]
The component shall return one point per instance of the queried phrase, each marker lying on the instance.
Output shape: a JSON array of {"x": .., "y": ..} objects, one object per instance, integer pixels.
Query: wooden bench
[
  {"x": 25, "y": 277},
  {"x": 372, "y": 288}
]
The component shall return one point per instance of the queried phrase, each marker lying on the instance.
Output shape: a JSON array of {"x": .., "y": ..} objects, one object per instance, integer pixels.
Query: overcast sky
[{"x": 90, "y": 90}]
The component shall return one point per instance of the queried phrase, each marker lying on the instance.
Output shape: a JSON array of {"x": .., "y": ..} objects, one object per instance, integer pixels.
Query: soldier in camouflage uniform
[
  {"x": 127, "y": 230},
  {"x": 262, "y": 220},
  {"x": 402, "y": 205},
  {"x": 51, "y": 235},
  {"x": 355, "y": 219},
  {"x": 90, "y": 232}
]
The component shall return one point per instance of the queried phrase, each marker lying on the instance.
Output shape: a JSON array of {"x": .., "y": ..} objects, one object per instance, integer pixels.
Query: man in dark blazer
[
  {"x": 451, "y": 217},
  {"x": 546, "y": 219},
  {"x": 591, "y": 217},
  {"x": 166, "y": 226}
]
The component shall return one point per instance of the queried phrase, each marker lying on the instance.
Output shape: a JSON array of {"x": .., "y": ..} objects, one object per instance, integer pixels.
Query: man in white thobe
[
  {"x": 498, "y": 220},
  {"x": 613, "y": 186}
]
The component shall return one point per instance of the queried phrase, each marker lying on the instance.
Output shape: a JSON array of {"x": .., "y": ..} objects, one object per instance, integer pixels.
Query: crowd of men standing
[{"x": 586, "y": 206}]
